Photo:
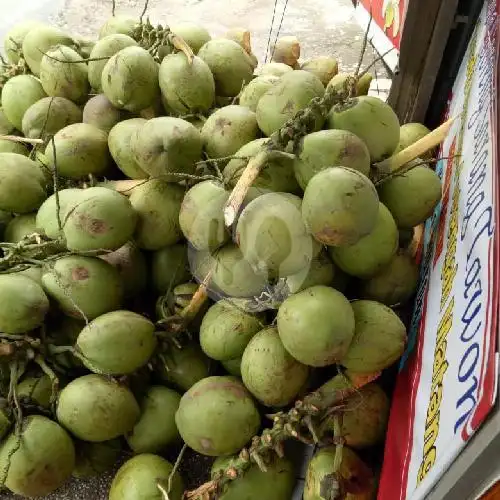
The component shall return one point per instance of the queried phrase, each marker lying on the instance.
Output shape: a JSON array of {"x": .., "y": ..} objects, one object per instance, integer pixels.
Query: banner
[{"x": 447, "y": 381}]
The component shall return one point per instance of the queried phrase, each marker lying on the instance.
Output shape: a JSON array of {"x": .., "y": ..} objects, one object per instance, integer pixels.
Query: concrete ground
[{"x": 324, "y": 27}]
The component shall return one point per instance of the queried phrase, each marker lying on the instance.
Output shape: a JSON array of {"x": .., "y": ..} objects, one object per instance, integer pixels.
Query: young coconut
[
  {"x": 13, "y": 41},
  {"x": 394, "y": 284},
  {"x": 93, "y": 459},
  {"x": 169, "y": 267},
  {"x": 286, "y": 50},
  {"x": 167, "y": 145},
  {"x": 277, "y": 483},
  {"x": 130, "y": 79},
  {"x": 40, "y": 460},
  {"x": 101, "y": 219},
  {"x": 23, "y": 186},
  {"x": 138, "y": 479},
  {"x": 281, "y": 102},
  {"x": 62, "y": 75},
  {"x": 362, "y": 85},
  {"x": 410, "y": 133},
  {"x": 227, "y": 328},
  {"x": 156, "y": 427},
  {"x": 6, "y": 128},
  {"x": 412, "y": 195},
  {"x": 39, "y": 41},
  {"x": 217, "y": 416},
  {"x": 96, "y": 409},
  {"x": 231, "y": 66},
  {"x": 316, "y": 325},
  {"x": 23, "y": 304},
  {"x": 277, "y": 175},
  {"x": 340, "y": 206},
  {"x": 228, "y": 129},
  {"x": 252, "y": 92},
  {"x": 269, "y": 372},
  {"x": 321, "y": 271},
  {"x": 80, "y": 150},
  {"x": 37, "y": 390},
  {"x": 363, "y": 418},
  {"x": 201, "y": 215},
  {"x": 325, "y": 68},
  {"x": 356, "y": 479},
  {"x": 157, "y": 204},
  {"x": 83, "y": 287},
  {"x": 188, "y": 87},
  {"x": 373, "y": 252},
  {"x": 19, "y": 227},
  {"x": 47, "y": 116},
  {"x": 117, "y": 343},
  {"x": 7, "y": 146},
  {"x": 18, "y": 94},
  {"x": 118, "y": 25},
  {"x": 275, "y": 69},
  {"x": 105, "y": 48},
  {"x": 99, "y": 111},
  {"x": 272, "y": 237},
  {"x": 330, "y": 148},
  {"x": 232, "y": 366},
  {"x": 379, "y": 339},
  {"x": 194, "y": 35},
  {"x": 372, "y": 120}
]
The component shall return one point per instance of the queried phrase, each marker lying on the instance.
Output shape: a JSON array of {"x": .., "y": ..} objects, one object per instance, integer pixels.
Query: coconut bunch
[{"x": 133, "y": 317}]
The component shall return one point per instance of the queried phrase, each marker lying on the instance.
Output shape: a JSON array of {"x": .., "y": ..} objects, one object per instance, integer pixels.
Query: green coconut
[
  {"x": 36, "y": 389},
  {"x": 157, "y": 204},
  {"x": 277, "y": 174},
  {"x": 373, "y": 252},
  {"x": 6, "y": 127},
  {"x": 33, "y": 273},
  {"x": 13, "y": 41},
  {"x": 84, "y": 46},
  {"x": 217, "y": 416},
  {"x": 100, "y": 113},
  {"x": 96, "y": 409},
  {"x": 187, "y": 86},
  {"x": 138, "y": 478},
  {"x": 363, "y": 84},
  {"x": 194, "y": 35},
  {"x": 167, "y": 145},
  {"x": 231, "y": 66},
  {"x": 395, "y": 283},
  {"x": 330, "y": 148},
  {"x": 320, "y": 271},
  {"x": 201, "y": 215},
  {"x": 118, "y": 25},
  {"x": 130, "y": 79},
  {"x": 23, "y": 187},
  {"x": 156, "y": 427},
  {"x": 269, "y": 372},
  {"x": 46, "y": 217},
  {"x": 40, "y": 461},
  {"x": 117, "y": 343},
  {"x": 169, "y": 267},
  {"x": 272, "y": 237},
  {"x": 277, "y": 483},
  {"x": 184, "y": 366},
  {"x": 340, "y": 206},
  {"x": 18, "y": 94},
  {"x": 105, "y": 47},
  {"x": 62, "y": 75},
  {"x": 101, "y": 219},
  {"x": 325, "y": 68},
  {"x": 47, "y": 116},
  {"x": 130, "y": 262},
  {"x": 83, "y": 287},
  {"x": 255, "y": 89},
  {"x": 23, "y": 304},
  {"x": 379, "y": 339},
  {"x": 81, "y": 150},
  {"x": 372, "y": 120},
  {"x": 93, "y": 459},
  {"x": 39, "y": 41},
  {"x": 226, "y": 329},
  {"x": 410, "y": 133},
  {"x": 232, "y": 366},
  {"x": 412, "y": 196},
  {"x": 363, "y": 418},
  {"x": 356, "y": 477},
  {"x": 19, "y": 227},
  {"x": 8, "y": 146},
  {"x": 284, "y": 100},
  {"x": 316, "y": 325},
  {"x": 275, "y": 69},
  {"x": 339, "y": 81}
]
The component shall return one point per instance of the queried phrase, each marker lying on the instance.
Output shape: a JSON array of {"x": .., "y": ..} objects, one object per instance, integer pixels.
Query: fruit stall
[{"x": 223, "y": 278}]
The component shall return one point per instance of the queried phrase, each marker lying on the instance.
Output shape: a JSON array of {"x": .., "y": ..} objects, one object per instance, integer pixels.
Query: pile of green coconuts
[{"x": 116, "y": 163}]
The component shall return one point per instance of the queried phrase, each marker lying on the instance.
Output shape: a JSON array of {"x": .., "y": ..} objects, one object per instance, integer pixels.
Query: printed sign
[{"x": 447, "y": 381}]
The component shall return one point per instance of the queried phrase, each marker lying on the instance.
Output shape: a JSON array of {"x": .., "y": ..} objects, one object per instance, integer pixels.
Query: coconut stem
[
  {"x": 285, "y": 425},
  {"x": 24, "y": 140}
]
